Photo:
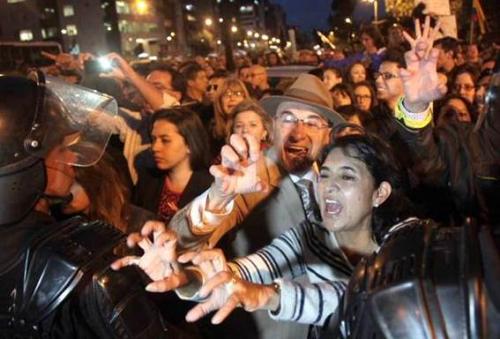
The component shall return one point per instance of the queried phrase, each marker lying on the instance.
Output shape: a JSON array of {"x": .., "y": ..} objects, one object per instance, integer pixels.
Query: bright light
[
  {"x": 142, "y": 6},
  {"x": 252, "y": 45},
  {"x": 189, "y": 7},
  {"x": 249, "y": 33},
  {"x": 238, "y": 44},
  {"x": 316, "y": 47},
  {"x": 278, "y": 41},
  {"x": 265, "y": 37},
  {"x": 169, "y": 38},
  {"x": 221, "y": 20},
  {"x": 208, "y": 22},
  {"x": 219, "y": 42},
  {"x": 348, "y": 20},
  {"x": 234, "y": 29},
  {"x": 256, "y": 35},
  {"x": 172, "y": 34}
]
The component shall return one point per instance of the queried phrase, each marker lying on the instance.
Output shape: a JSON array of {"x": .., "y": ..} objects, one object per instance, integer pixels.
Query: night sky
[{"x": 307, "y": 14}]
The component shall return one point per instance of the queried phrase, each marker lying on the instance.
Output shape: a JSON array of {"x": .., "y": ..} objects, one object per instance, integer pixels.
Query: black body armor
[
  {"x": 60, "y": 286},
  {"x": 425, "y": 282}
]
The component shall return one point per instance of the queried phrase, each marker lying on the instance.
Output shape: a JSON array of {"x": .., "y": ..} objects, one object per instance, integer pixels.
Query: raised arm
[{"x": 152, "y": 95}]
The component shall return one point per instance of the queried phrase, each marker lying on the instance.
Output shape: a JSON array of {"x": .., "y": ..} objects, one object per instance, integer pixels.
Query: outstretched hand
[
  {"x": 420, "y": 78},
  {"x": 159, "y": 260},
  {"x": 237, "y": 173},
  {"x": 225, "y": 291}
]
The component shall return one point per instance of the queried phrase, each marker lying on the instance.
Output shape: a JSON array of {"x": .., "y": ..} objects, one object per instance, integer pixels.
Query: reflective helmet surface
[{"x": 37, "y": 115}]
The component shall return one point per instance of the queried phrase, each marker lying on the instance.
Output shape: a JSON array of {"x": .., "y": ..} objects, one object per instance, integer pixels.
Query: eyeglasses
[
  {"x": 384, "y": 75},
  {"x": 254, "y": 75},
  {"x": 312, "y": 122},
  {"x": 363, "y": 97},
  {"x": 229, "y": 93},
  {"x": 466, "y": 87},
  {"x": 212, "y": 87}
]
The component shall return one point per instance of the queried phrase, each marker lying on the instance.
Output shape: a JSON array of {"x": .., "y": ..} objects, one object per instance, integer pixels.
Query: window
[
  {"x": 68, "y": 10},
  {"x": 122, "y": 7},
  {"x": 71, "y": 30},
  {"x": 25, "y": 35},
  {"x": 49, "y": 32}
]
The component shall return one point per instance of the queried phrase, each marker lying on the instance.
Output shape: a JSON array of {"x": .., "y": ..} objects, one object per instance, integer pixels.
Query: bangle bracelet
[{"x": 277, "y": 289}]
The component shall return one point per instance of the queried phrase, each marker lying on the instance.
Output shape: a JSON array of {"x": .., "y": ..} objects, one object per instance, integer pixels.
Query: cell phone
[{"x": 97, "y": 66}]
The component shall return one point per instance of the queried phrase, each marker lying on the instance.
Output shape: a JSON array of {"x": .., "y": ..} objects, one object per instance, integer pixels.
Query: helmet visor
[{"x": 73, "y": 118}]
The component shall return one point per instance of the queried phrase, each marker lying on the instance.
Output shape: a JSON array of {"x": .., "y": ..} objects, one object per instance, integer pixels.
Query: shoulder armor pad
[
  {"x": 58, "y": 260},
  {"x": 424, "y": 282}
]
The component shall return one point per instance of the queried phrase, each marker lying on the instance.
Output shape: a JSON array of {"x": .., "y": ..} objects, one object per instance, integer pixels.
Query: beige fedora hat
[{"x": 308, "y": 90}]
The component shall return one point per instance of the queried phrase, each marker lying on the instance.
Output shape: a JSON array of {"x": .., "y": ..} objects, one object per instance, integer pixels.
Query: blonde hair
[
  {"x": 254, "y": 106},
  {"x": 222, "y": 119}
]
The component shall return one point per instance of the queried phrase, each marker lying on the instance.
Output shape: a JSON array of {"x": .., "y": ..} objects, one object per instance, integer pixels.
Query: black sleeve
[{"x": 111, "y": 305}]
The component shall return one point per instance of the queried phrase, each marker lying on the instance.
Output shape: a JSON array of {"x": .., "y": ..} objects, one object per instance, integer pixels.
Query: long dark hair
[
  {"x": 191, "y": 129},
  {"x": 379, "y": 158}
]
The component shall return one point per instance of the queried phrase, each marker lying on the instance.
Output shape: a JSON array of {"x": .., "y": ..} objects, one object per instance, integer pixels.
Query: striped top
[{"x": 307, "y": 250}]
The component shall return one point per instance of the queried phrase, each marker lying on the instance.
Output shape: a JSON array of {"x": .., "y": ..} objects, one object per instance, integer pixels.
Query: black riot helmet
[
  {"x": 426, "y": 281},
  {"x": 38, "y": 114}
]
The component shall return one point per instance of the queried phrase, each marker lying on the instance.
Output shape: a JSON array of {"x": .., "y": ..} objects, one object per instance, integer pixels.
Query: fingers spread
[
  {"x": 239, "y": 144},
  {"x": 408, "y": 38},
  {"x": 125, "y": 261},
  {"x": 208, "y": 255},
  {"x": 435, "y": 31},
  {"x": 166, "y": 236},
  {"x": 165, "y": 285},
  {"x": 225, "y": 310},
  {"x": 152, "y": 226},
  {"x": 133, "y": 239},
  {"x": 199, "y": 311},
  {"x": 427, "y": 26},
  {"x": 216, "y": 281},
  {"x": 418, "y": 29},
  {"x": 187, "y": 257}
]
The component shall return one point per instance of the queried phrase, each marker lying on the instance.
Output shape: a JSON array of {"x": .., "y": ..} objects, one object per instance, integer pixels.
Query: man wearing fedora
[
  {"x": 256, "y": 197},
  {"x": 303, "y": 121},
  {"x": 236, "y": 218}
]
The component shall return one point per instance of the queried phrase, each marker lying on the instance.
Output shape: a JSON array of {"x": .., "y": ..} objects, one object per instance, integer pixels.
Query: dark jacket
[
  {"x": 150, "y": 184},
  {"x": 462, "y": 164}
]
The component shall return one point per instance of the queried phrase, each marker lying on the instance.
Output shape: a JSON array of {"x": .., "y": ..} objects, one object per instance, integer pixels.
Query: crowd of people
[{"x": 245, "y": 193}]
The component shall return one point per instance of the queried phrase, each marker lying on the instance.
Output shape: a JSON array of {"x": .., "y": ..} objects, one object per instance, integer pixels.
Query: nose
[
  {"x": 299, "y": 131},
  {"x": 155, "y": 146}
]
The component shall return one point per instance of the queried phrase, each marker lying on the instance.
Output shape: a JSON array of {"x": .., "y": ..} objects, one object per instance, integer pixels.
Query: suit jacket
[
  {"x": 255, "y": 220},
  {"x": 261, "y": 215},
  {"x": 150, "y": 183}
]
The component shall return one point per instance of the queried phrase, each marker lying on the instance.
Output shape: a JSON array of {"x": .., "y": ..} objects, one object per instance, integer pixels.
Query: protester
[
  {"x": 250, "y": 119},
  {"x": 331, "y": 77},
  {"x": 364, "y": 96},
  {"x": 180, "y": 150}
]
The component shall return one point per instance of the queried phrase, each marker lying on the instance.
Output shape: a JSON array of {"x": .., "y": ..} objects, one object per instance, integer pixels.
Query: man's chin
[{"x": 296, "y": 165}]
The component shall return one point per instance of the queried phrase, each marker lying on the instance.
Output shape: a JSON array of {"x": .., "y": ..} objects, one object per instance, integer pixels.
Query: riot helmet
[{"x": 38, "y": 114}]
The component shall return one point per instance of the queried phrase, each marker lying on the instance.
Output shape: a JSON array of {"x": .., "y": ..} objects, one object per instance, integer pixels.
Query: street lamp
[
  {"x": 208, "y": 22},
  {"x": 375, "y": 8},
  {"x": 234, "y": 29},
  {"x": 348, "y": 21},
  {"x": 142, "y": 7}
]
